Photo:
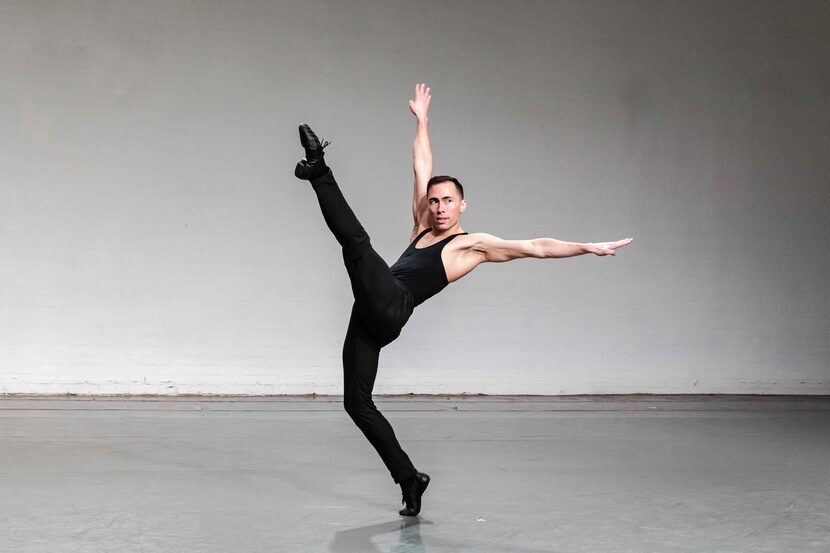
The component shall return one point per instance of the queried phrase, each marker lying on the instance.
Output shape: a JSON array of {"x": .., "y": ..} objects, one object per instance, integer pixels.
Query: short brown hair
[{"x": 444, "y": 178}]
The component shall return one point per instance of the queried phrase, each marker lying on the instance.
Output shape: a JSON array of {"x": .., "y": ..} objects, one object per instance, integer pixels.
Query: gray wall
[{"x": 154, "y": 240}]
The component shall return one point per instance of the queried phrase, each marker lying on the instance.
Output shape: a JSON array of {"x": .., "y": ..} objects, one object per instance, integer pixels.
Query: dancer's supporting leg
[{"x": 360, "y": 364}]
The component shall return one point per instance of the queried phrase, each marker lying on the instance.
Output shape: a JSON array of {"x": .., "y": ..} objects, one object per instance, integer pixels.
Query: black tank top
[{"x": 421, "y": 271}]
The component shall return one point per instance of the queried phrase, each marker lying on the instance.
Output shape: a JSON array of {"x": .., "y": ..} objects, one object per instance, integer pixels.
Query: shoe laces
[{"x": 324, "y": 144}]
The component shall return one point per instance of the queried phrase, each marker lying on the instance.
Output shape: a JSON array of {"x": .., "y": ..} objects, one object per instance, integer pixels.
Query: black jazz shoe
[
  {"x": 413, "y": 488},
  {"x": 312, "y": 165}
]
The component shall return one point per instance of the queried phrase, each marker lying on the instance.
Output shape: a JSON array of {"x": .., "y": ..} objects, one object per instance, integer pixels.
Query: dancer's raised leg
[
  {"x": 381, "y": 302},
  {"x": 339, "y": 217}
]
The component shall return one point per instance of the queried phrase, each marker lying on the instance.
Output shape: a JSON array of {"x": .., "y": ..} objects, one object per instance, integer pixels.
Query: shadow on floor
[{"x": 359, "y": 540}]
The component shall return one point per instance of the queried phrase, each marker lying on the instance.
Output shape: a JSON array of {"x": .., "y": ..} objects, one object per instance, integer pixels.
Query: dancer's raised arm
[{"x": 421, "y": 155}]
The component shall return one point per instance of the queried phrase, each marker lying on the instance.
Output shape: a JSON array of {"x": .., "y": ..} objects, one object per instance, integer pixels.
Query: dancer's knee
[
  {"x": 359, "y": 407},
  {"x": 356, "y": 246}
]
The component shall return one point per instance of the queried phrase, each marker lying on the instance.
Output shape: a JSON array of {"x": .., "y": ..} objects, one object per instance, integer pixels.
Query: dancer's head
[{"x": 445, "y": 199}]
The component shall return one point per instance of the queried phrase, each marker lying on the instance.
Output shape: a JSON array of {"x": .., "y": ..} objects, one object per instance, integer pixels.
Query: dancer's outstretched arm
[
  {"x": 493, "y": 249},
  {"x": 474, "y": 249},
  {"x": 421, "y": 156}
]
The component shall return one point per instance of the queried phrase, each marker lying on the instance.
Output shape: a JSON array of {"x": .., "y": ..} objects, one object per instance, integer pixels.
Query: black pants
[{"x": 381, "y": 308}]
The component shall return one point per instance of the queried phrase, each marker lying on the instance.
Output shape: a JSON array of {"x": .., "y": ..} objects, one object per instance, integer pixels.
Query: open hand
[
  {"x": 420, "y": 105},
  {"x": 608, "y": 248}
]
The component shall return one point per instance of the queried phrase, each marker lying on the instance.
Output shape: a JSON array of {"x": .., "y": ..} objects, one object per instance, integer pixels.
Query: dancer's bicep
[
  {"x": 420, "y": 209},
  {"x": 496, "y": 250}
]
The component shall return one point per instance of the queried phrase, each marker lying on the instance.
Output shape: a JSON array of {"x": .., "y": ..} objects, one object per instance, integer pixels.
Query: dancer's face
[{"x": 445, "y": 206}]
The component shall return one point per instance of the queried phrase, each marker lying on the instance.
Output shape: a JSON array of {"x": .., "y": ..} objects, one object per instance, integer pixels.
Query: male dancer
[{"x": 440, "y": 252}]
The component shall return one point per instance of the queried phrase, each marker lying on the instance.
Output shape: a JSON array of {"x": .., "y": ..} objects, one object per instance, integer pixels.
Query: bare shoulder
[
  {"x": 473, "y": 241},
  {"x": 466, "y": 249},
  {"x": 461, "y": 255}
]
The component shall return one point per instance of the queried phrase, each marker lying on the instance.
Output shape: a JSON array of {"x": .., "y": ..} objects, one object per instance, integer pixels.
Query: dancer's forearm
[
  {"x": 422, "y": 151},
  {"x": 549, "y": 247},
  {"x": 544, "y": 248}
]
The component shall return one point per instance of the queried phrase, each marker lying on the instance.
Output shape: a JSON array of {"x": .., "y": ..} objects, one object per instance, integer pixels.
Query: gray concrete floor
[{"x": 521, "y": 475}]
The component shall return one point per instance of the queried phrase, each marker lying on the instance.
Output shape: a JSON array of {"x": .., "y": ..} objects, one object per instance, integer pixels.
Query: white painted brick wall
[{"x": 154, "y": 241}]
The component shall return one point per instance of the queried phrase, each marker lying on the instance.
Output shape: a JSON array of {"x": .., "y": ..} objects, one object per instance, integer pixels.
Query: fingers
[
  {"x": 422, "y": 92},
  {"x": 420, "y": 105},
  {"x": 610, "y": 248}
]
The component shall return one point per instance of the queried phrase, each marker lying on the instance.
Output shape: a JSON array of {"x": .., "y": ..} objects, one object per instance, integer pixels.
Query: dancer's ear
[{"x": 462, "y": 206}]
